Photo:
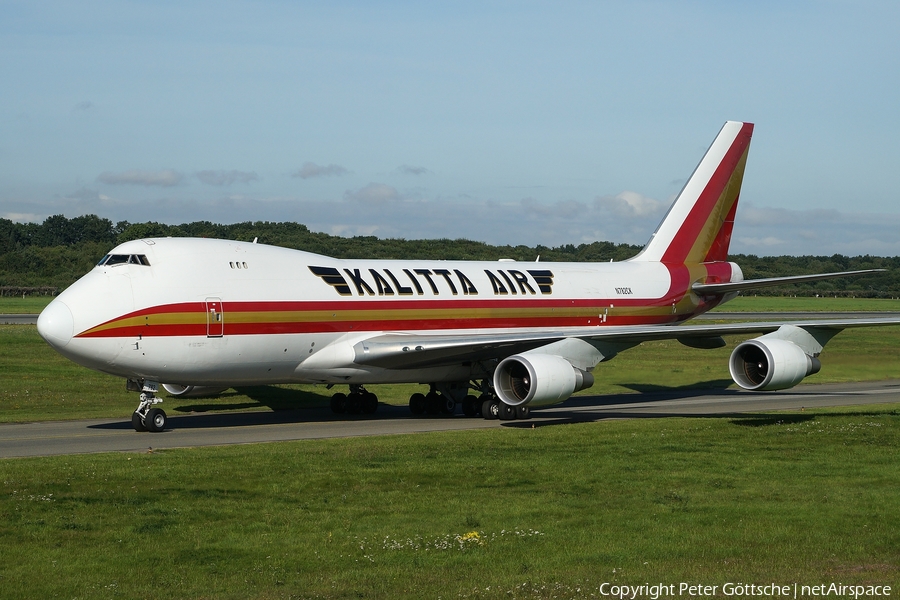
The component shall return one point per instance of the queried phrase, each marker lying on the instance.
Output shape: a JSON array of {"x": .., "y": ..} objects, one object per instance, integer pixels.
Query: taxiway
[{"x": 192, "y": 430}]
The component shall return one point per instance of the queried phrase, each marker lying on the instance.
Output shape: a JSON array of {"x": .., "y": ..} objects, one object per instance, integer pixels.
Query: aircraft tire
[
  {"x": 354, "y": 404},
  {"x": 490, "y": 408},
  {"x": 369, "y": 403},
  {"x": 433, "y": 402},
  {"x": 137, "y": 422},
  {"x": 448, "y": 406},
  {"x": 505, "y": 412},
  {"x": 523, "y": 411},
  {"x": 339, "y": 403},
  {"x": 471, "y": 406},
  {"x": 155, "y": 421},
  {"x": 417, "y": 404}
]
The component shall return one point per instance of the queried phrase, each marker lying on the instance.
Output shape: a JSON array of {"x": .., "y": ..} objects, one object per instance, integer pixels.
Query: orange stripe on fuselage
[{"x": 242, "y": 318}]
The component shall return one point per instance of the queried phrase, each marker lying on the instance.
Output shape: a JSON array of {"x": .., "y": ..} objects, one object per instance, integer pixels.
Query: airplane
[{"x": 197, "y": 316}]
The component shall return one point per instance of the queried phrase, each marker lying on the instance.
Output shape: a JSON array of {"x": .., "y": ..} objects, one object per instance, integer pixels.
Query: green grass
[
  {"x": 550, "y": 512},
  {"x": 513, "y": 512},
  {"x": 804, "y": 304},
  {"x": 29, "y": 305},
  {"x": 36, "y": 383}
]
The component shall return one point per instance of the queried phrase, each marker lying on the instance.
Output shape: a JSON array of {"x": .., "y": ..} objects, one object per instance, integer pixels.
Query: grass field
[
  {"x": 804, "y": 304},
  {"x": 29, "y": 305},
  {"x": 551, "y": 512}
]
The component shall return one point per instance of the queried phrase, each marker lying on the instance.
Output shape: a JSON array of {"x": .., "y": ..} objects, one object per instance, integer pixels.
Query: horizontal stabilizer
[{"x": 715, "y": 289}]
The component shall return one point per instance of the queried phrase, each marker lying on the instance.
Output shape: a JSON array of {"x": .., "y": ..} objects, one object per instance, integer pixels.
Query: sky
[{"x": 505, "y": 122}]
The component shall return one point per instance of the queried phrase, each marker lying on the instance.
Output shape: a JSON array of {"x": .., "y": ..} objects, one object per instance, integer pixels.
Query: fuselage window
[
  {"x": 232, "y": 264},
  {"x": 245, "y": 265}
]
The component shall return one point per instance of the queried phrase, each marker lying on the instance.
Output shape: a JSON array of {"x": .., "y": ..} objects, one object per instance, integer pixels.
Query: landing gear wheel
[
  {"x": 137, "y": 422},
  {"x": 433, "y": 402},
  {"x": 490, "y": 408},
  {"x": 354, "y": 403},
  {"x": 155, "y": 421},
  {"x": 339, "y": 403},
  {"x": 471, "y": 406},
  {"x": 506, "y": 412},
  {"x": 448, "y": 406},
  {"x": 369, "y": 403},
  {"x": 417, "y": 404},
  {"x": 523, "y": 411}
]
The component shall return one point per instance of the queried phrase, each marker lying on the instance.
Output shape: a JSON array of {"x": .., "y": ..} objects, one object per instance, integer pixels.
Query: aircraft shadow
[
  {"x": 263, "y": 396},
  {"x": 292, "y": 406}
]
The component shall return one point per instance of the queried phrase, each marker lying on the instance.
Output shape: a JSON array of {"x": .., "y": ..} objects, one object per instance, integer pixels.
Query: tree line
[{"x": 55, "y": 253}]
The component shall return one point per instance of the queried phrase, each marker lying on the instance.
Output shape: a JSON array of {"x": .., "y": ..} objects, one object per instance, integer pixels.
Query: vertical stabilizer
[{"x": 698, "y": 226}]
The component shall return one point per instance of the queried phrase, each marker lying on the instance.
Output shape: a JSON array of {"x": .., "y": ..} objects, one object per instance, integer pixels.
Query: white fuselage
[{"x": 214, "y": 312}]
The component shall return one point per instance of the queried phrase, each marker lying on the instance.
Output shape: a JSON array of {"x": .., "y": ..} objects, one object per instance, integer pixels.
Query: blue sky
[{"x": 506, "y": 122}]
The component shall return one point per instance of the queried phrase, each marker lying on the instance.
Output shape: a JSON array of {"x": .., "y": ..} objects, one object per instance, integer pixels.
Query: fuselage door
[{"x": 215, "y": 318}]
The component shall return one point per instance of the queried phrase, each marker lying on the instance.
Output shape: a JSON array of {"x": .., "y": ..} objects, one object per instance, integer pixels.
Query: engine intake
[
  {"x": 770, "y": 364},
  {"x": 538, "y": 379}
]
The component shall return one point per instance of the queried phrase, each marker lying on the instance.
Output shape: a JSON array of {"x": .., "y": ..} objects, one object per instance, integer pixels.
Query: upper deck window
[{"x": 122, "y": 259}]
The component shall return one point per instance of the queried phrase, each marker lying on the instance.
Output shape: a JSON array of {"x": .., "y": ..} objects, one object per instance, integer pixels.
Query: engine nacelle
[
  {"x": 770, "y": 364},
  {"x": 538, "y": 379},
  {"x": 191, "y": 391}
]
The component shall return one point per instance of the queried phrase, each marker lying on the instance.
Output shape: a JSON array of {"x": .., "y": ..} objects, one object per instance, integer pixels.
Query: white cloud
[
  {"x": 226, "y": 177},
  {"x": 411, "y": 170},
  {"x": 632, "y": 205},
  {"x": 769, "y": 230},
  {"x": 374, "y": 193},
  {"x": 310, "y": 170},
  {"x": 566, "y": 209},
  {"x": 164, "y": 178},
  {"x": 23, "y": 217}
]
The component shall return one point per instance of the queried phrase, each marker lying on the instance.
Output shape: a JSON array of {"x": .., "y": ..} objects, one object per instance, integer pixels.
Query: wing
[{"x": 410, "y": 350}]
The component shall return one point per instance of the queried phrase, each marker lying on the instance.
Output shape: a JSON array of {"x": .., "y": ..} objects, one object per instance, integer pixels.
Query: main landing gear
[
  {"x": 147, "y": 417},
  {"x": 358, "y": 401},
  {"x": 443, "y": 398}
]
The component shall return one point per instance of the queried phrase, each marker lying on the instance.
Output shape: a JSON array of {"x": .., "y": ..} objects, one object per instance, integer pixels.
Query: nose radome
[{"x": 55, "y": 324}]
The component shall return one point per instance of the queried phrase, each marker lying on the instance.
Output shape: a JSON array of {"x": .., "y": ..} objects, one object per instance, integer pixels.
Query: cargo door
[{"x": 215, "y": 318}]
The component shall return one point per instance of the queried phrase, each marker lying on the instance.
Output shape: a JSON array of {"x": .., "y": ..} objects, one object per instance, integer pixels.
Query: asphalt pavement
[{"x": 219, "y": 429}]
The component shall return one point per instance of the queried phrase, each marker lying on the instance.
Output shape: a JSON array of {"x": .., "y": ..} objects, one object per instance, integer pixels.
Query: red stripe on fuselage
[{"x": 605, "y": 311}]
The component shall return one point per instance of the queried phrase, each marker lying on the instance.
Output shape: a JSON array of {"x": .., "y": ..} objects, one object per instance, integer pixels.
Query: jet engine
[
  {"x": 770, "y": 364},
  {"x": 538, "y": 379},
  {"x": 192, "y": 391}
]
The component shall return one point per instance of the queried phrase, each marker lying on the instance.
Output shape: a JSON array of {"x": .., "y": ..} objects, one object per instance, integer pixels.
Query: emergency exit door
[{"x": 215, "y": 318}]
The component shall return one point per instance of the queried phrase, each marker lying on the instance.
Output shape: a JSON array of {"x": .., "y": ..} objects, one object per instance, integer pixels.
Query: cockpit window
[{"x": 121, "y": 259}]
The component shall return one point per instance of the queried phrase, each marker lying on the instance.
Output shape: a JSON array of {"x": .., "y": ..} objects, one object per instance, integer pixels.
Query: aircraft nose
[{"x": 55, "y": 324}]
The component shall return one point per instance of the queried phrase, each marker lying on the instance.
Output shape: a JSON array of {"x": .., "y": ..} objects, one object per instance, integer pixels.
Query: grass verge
[{"x": 508, "y": 513}]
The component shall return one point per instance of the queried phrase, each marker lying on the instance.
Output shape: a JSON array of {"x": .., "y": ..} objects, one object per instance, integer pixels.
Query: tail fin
[{"x": 698, "y": 226}]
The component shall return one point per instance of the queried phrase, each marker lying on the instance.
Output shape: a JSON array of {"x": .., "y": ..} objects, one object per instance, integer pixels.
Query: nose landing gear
[{"x": 147, "y": 417}]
